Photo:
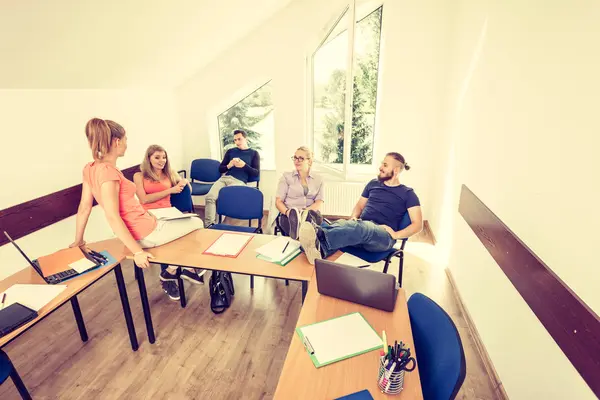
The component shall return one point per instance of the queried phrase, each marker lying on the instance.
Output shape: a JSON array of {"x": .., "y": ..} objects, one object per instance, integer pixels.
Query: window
[
  {"x": 349, "y": 53},
  {"x": 254, "y": 114}
]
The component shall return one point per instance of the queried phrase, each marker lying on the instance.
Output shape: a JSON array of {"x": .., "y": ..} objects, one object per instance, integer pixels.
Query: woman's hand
[
  {"x": 141, "y": 259},
  {"x": 176, "y": 189},
  {"x": 77, "y": 244}
]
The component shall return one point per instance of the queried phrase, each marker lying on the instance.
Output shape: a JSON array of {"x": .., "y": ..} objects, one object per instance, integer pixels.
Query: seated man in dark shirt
[
  {"x": 375, "y": 221},
  {"x": 239, "y": 163}
]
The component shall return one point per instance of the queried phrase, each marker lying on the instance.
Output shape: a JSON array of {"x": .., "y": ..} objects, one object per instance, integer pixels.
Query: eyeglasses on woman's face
[{"x": 299, "y": 159}]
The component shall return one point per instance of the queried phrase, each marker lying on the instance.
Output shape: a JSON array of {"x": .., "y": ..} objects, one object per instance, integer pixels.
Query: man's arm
[
  {"x": 224, "y": 167},
  {"x": 254, "y": 168},
  {"x": 416, "y": 225},
  {"x": 357, "y": 210}
]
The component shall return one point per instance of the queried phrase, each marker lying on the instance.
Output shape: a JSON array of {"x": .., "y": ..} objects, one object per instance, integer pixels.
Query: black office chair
[{"x": 8, "y": 369}]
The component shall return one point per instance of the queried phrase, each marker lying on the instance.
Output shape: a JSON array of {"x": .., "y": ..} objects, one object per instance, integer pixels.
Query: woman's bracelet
[{"x": 139, "y": 252}]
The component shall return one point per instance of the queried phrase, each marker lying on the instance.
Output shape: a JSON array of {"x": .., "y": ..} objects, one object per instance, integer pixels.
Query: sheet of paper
[
  {"x": 341, "y": 337},
  {"x": 351, "y": 260},
  {"x": 82, "y": 265},
  {"x": 274, "y": 249},
  {"x": 32, "y": 296},
  {"x": 228, "y": 244},
  {"x": 165, "y": 212}
]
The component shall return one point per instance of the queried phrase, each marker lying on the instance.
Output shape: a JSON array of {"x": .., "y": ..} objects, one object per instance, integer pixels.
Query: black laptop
[
  {"x": 370, "y": 288},
  {"x": 60, "y": 276}
]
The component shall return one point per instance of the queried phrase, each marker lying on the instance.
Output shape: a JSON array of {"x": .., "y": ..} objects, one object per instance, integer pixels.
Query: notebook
[
  {"x": 339, "y": 338},
  {"x": 13, "y": 316},
  {"x": 228, "y": 245},
  {"x": 280, "y": 250},
  {"x": 169, "y": 214}
]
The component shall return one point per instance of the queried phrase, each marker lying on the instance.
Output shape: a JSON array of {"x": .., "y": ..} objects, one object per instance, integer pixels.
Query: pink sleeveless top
[
  {"x": 155, "y": 187},
  {"x": 137, "y": 220}
]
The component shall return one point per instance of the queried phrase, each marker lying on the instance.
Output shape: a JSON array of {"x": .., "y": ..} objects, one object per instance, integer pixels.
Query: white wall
[
  {"x": 522, "y": 132},
  {"x": 45, "y": 150},
  {"x": 411, "y": 84}
]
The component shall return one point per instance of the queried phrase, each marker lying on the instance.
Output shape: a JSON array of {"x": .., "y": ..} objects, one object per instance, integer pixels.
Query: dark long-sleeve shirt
[{"x": 249, "y": 156}]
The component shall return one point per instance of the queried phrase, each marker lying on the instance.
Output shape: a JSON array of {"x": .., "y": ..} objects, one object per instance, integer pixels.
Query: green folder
[
  {"x": 283, "y": 262},
  {"x": 364, "y": 340}
]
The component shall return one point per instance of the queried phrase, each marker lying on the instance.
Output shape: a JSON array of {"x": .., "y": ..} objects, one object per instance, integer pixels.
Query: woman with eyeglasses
[{"x": 299, "y": 195}]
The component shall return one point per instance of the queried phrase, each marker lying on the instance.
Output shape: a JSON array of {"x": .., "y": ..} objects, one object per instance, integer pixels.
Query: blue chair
[
  {"x": 440, "y": 353},
  {"x": 374, "y": 257},
  {"x": 8, "y": 369},
  {"x": 206, "y": 171},
  {"x": 240, "y": 202},
  {"x": 183, "y": 200}
]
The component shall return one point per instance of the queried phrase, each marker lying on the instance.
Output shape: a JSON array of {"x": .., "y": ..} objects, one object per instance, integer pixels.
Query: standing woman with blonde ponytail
[{"x": 103, "y": 181}]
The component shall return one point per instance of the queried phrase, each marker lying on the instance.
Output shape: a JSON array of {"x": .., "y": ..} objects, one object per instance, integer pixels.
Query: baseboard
[{"x": 485, "y": 357}]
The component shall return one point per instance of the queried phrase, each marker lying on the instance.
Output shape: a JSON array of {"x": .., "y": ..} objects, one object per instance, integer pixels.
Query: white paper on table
[
  {"x": 228, "y": 244},
  {"x": 82, "y": 265},
  {"x": 341, "y": 337},
  {"x": 32, "y": 296},
  {"x": 274, "y": 249},
  {"x": 351, "y": 260}
]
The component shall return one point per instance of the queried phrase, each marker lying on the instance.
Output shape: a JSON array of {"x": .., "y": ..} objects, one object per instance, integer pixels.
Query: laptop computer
[
  {"x": 370, "y": 288},
  {"x": 60, "y": 276}
]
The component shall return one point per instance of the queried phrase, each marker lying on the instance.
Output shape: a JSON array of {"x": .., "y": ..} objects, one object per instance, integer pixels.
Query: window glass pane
[
  {"x": 254, "y": 114},
  {"x": 329, "y": 94},
  {"x": 367, "y": 35}
]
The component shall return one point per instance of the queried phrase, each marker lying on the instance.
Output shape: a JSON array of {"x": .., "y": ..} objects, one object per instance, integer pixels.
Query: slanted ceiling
[{"x": 110, "y": 44}]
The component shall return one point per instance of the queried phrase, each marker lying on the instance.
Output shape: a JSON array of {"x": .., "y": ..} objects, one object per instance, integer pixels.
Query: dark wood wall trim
[
  {"x": 570, "y": 322},
  {"x": 33, "y": 215}
]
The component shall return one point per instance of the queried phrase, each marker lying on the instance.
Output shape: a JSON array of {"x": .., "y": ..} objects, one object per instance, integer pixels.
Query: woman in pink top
[
  {"x": 299, "y": 195},
  {"x": 155, "y": 184},
  {"x": 103, "y": 181}
]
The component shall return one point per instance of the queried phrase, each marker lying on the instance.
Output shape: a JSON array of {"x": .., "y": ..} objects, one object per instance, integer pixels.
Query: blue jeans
[{"x": 365, "y": 234}]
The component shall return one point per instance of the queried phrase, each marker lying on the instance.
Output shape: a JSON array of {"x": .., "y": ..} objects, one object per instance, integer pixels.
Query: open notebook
[
  {"x": 280, "y": 250},
  {"x": 168, "y": 214}
]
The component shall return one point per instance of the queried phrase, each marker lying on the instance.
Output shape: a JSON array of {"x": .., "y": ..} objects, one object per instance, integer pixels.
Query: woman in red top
[
  {"x": 129, "y": 221},
  {"x": 155, "y": 184}
]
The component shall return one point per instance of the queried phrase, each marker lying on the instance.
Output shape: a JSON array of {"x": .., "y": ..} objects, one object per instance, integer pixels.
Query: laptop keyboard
[{"x": 65, "y": 274}]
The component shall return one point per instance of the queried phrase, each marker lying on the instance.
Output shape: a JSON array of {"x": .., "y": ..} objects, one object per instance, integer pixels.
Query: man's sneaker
[
  {"x": 165, "y": 276},
  {"x": 295, "y": 220},
  {"x": 313, "y": 216},
  {"x": 171, "y": 289},
  {"x": 309, "y": 242},
  {"x": 193, "y": 276}
]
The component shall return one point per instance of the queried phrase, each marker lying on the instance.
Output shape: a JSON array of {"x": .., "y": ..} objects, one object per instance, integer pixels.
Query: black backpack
[{"x": 221, "y": 291}]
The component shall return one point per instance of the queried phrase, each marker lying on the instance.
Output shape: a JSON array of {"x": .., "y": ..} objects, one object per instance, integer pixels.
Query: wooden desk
[
  {"x": 74, "y": 287},
  {"x": 301, "y": 380},
  {"x": 187, "y": 252}
]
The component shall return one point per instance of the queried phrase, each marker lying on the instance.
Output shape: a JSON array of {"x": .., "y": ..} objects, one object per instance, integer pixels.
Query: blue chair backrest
[
  {"x": 440, "y": 354},
  {"x": 405, "y": 221},
  {"x": 205, "y": 170},
  {"x": 183, "y": 200},
  {"x": 241, "y": 202}
]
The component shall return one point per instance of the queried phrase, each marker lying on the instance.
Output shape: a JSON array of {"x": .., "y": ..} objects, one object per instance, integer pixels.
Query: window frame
[
  {"x": 250, "y": 90},
  {"x": 348, "y": 171}
]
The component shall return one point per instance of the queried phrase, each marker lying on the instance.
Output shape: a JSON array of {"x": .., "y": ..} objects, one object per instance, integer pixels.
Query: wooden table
[
  {"x": 301, "y": 380},
  {"x": 74, "y": 287},
  {"x": 187, "y": 252}
]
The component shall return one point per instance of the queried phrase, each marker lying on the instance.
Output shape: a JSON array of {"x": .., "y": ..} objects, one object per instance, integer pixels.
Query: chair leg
[
  {"x": 19, "y": 384},
  {"x": 251, "y": 281},
  {"x": 287, "y": 282},
  {"x": 400, "y": 269},
  {"x": 387, "y": 264}
]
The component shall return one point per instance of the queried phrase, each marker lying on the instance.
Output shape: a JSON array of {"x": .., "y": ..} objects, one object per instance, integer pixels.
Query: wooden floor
[{"x": 197, "y": 354}]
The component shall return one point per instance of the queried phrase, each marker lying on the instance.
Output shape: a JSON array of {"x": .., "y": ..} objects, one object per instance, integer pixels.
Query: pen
[
  {"x": 384, "y": 343},
  {"x": 308, "y": 345},
  {"x": 3, "y": 300},
  {"x": 98, "y": 255},
  {"x": 285, "y": 247}
]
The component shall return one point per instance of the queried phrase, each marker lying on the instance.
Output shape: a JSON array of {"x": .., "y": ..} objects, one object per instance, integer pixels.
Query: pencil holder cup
[{"x": 389, "y": 382}]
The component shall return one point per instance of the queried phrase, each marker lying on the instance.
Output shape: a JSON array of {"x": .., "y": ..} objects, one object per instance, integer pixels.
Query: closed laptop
[{"x": 370, "y": 288}]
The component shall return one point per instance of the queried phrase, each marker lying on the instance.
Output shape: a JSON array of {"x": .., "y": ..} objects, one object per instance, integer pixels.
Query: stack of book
[{"x": 280, "y": 250}]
